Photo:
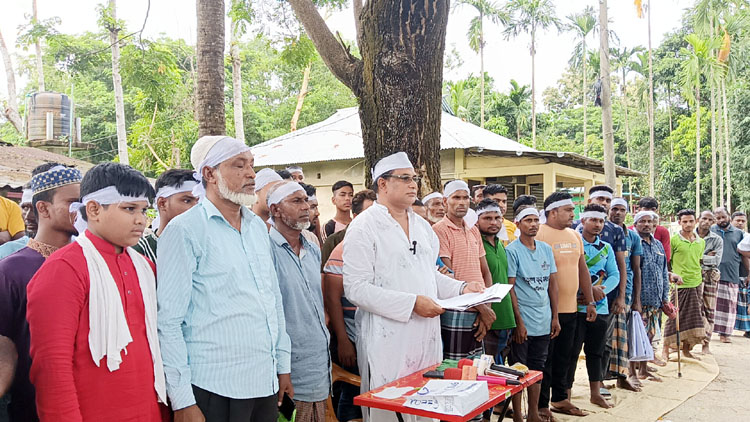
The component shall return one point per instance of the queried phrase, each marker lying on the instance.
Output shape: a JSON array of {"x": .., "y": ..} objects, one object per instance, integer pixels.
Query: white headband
[
  {"x": 641, "y": 214},
  {"x": 295, "y": 169},
  {"x": 283, "y": 191},
  {"x": 106, "y": 196},
  {"x": 395, "y": 161},
  {"x": 620, "y": 201},
  {"x": 552, "y": 206},
  {"x": 166, "y": 192},
  {"x": 430, "y": 197},
  {"x": 26, "y": 196},
  {"x": 525, "y": 213},
  {"x": 593, "y": 214},
  {"x": 455, "y": 186},
  {"x": 265, "y": 177},
  {"x": 471, "y": 218},
  {"x": 224, "y": 149},
  {"x": 600, "y": 194},
  {"x": 312, "y": 198},
  {"x": 491, "y": 208}
]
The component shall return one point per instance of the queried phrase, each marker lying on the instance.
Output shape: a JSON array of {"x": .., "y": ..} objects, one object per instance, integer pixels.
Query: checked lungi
[
  {"x": 742, "y": 322},
  {"x": 652, "y": 321},
  {"x": 726, "y": 308},
  {"x": 618, "y": 360},
  {"x": 710, "y": 286},
  {"x": 692, "y": 327},
  {"x": 457, "y": 330}
]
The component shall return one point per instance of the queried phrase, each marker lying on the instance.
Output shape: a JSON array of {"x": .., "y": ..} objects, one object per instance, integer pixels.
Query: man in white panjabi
[{"x": 390, "y": 273}]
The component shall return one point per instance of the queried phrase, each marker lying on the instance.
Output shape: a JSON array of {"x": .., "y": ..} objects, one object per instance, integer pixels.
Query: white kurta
[{"x": 383, "y": 277}]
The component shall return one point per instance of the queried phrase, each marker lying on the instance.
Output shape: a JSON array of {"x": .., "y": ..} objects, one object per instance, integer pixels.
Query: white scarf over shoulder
[{"x": 109, "y": 334}]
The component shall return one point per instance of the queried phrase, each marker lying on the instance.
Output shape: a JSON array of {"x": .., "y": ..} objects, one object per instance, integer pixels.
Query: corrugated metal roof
[
  {"x": 16, "y": 164},
  {"x": 339, "y": 137}
]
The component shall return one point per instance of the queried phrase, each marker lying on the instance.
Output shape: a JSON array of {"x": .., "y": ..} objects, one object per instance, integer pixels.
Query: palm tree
[
  {"x": 210, "y": 51},
  {"x": 582, "y": 24},
  {"x": 486, "y": 9},
  {"x": 461, "y": 98},
  {"x": 623, "y": 61},
  {"x": 608, "y": 137},
  {"x": 530, "y": 16},
  {"x": 240, "y": 14},
  {"x": 519, "y": 95}
]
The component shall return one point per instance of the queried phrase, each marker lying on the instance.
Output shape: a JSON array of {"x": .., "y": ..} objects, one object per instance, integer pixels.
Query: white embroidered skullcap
[
  {"x": 455, "y": 186},
  {"x": 264, "y": 177},
  {"x": 395, "y": 161}
]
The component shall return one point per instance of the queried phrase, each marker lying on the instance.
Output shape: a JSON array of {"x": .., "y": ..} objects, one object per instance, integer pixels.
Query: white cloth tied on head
[
  {"x": 312, "y": 198},
  {"x": 552, "y": 206},
  {"x": 622, "y": 202},
  {"x": 455, "y": 186},
  {"x": 105, "y": 196},
  {"x": 283, "y": 191},
  {"x": 210, "y": 151},
  {"x": 166, "y": 192},
  {"x": 26, "y": 196},
  {"x": 395, "y": 161},
  {"x": 530, "y": 211},
  {"x": 491, "y": 208},
  {"x": 430, "y": 197},
  {"x": 264, "y": 177},
  {"x": 639, "y": 215},
  {"x": 109, "y": 333},
  {"x": 593, "y": 214},
  {"x": 600, "y": 194},
  {"x": 471, "y": 218}
]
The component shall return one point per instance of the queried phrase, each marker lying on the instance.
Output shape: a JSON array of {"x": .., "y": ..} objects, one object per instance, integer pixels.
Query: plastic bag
[{"x": 639, "y": 346}]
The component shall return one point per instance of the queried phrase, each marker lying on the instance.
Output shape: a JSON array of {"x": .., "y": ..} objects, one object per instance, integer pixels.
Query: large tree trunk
[
  {"x": 37, "y": 49},
  {"x": 651, "y": 142},
  {"x": 301, "y": 96},
  {"x": 398, "y": 81},
  {"x": 481, "y": 68},
  {"x": 698, "y": 147},
  {"x": 585, "y": 116},
  {"x": 210, "y": 51},
  {"x": 608, "y": 135},
  {"x": 234, "y": 50},
  {"x": 122, "y": 138},
  {"x": 11, "y": 109},
  {"x": 533, "y": 87}
]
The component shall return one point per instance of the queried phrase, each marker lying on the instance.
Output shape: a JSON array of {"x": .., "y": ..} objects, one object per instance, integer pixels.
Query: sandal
[{"x": 571, "y": 411}]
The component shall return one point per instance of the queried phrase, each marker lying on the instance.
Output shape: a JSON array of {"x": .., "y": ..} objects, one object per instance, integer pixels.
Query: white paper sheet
[
  {"x": 393, "y": 392},
  {"x": 495, "y": 293}
]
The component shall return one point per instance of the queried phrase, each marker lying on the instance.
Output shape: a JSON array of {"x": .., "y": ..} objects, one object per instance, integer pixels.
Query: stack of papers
[
  {"x": 449, "y": 397},
  {"x": 496, "y": 293}
]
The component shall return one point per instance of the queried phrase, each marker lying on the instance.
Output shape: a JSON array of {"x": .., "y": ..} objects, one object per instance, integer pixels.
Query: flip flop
[
  {"x": 604, "y": 392},
  {"x": 571, "y": 411}
]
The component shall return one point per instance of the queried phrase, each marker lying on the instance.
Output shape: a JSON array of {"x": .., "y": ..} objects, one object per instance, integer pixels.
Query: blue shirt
[
  {"x": 8, "y": 248},
  {"x": 633, "y": 243},
  {"x": 532, "y": 269},
  {"x": 300, "y": 284},
  {"x": 654, "y": 277},
  {"x": 602, "y": 263},
  {"x": 221, "y": 318}
]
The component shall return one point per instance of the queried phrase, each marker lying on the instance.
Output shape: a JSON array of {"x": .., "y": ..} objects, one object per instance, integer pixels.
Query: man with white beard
[
  {"x": 390, "y": 274},
  {"x": 221, "y": 321}
]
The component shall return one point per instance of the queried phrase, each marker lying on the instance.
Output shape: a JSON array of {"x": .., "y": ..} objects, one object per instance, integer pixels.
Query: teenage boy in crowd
[
  {"x": 605, "y": 276},
  {"x": 709, "y": 272},
  {"x": 532, "y": 272},
  {"x": 343, "y": 192},
  {"x": 572, "y": 277},
  {"x": 499, "y": 194}
]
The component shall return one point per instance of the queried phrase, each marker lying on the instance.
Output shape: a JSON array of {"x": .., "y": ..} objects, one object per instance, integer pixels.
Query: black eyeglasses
[{"x": 405, "y": 178}]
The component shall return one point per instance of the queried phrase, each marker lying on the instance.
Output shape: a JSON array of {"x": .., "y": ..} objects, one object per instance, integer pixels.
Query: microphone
[{"x": 413, "y": 249}]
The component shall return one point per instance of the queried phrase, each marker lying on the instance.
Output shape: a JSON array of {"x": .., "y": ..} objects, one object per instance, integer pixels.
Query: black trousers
[
  {"x": 558, "y": 360},
  {"x": 591, "y": 337},
  {"x": 216, "y": 408},
  {"x": 608, "y": 344}
]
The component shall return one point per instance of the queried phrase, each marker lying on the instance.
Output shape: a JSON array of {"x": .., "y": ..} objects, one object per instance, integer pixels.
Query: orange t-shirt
[
  {"x": 463, "y": 246},
  {"x": 567, "y": 248}
]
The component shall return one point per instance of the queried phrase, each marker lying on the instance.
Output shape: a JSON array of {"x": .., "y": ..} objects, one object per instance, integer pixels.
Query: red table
[{"x": 498, "y": 393}]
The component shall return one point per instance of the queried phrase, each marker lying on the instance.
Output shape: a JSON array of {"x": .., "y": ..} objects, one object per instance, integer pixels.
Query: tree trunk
[
  {"x": 727, "y": 146},
  {"x": 627, "y": 131},
  {"x": 651, "y": 143},
  {"x": 720, "y": 147},
  {"x": 239, "y": 124},
  {"x": 301, "y": 96},
  {"x": 585, "y": 116},
  {"x": 607, "y": 132},
  {"x": 210, "y": 52},
  {"x": 481, "y": 69},
  {"x": 698, "y": 147},
  {"x": 533, "y": 87},
  {"x": 11, "y": 109},
  {"x": 669, "y": 111},
  {"x": 713, "y": 145},
  {"x": 122, "y": 138},
  {"x": 37, "y": 49},
  {"x": 401, "y": 45}
]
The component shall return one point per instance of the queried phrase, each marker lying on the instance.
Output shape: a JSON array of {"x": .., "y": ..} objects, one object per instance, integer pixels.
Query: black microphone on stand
[{"x": 413, "y": 249}]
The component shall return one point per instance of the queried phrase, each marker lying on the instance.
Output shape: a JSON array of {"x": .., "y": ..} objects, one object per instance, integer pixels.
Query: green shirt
[
  {"x": 146, "y": 246},
  {"x": 498, "y": 263},
  {"x": 686, "y": 259}
]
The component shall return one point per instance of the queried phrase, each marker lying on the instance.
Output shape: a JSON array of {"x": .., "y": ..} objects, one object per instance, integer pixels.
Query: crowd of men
[{"x": 238, "y": 299}]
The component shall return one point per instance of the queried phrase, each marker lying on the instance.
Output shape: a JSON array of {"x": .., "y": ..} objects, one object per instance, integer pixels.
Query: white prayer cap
[
  {"x": 430, "y": 197},
  {"x": 210, "y": 151},
  {"x": 264, "y": 177},
  {"x": 26, "y": 196},
  {"x": 283, "y": 191},
  {"x": 455, "y": 186},
  {"x": 642, "y": 214},
  {"x": 620, "y": 201},
  {"x": 395, "y": 161}
]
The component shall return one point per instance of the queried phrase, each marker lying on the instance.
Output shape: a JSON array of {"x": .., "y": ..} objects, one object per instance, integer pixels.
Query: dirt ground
[{"x": 725, "y": 398}]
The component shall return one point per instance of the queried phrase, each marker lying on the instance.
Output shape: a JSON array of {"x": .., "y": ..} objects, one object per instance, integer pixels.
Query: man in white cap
[
  {"x": 462, "y": 251},
  {"x": 390, "y": 274},
  {"x": 435, "y": 207},
  {"x": 221, "y": 319},
  {"x": 264, "y": 180},
  {"x": 297, "y": 262}
]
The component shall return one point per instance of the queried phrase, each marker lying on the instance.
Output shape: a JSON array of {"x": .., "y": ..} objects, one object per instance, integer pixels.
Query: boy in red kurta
[{"x": 92, "y": 312}]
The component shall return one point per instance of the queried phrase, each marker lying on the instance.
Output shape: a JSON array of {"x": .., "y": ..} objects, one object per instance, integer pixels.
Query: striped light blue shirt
[{"x": 221, "y": 318}]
